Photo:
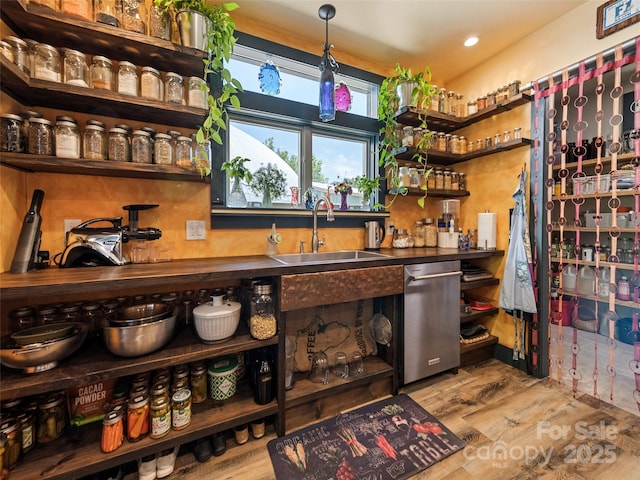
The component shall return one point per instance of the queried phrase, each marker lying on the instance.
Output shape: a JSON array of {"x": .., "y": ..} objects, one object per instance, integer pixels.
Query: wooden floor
[{"x": 514, "y": 427}]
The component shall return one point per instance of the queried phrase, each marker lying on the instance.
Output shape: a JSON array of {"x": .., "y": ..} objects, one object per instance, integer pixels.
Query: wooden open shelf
[
  {"x": 479, "y": 283},
  {"x": 476, "y": 314}
]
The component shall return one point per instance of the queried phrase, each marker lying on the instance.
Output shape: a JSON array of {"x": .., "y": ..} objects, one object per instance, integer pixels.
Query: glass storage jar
[
  {"x": 78, "y": 8},
  {"x": 461, "y": 107},
  {"x": 159, "y": 23},
  {"x": 112, "y": 431},
  {"x": 47, "y": 63},
  {"x": 138, "y": 417},
  {"x": 10, "y": 428},
  {"x": 67, "y": 140},
  {"x": 514, "y": 88},
  {"x": 262, "y": 321},
  {"x": 451, "y": 102},
  {"x": 441, "y": 142},
  {"x": 134, "y": 16},
  {"x": 108, "y": 12},
  {"x": 19, "y": 53},
  {"x": 418, "y": 234},
  {"x": 76, "y": 68},
  {"x": 11, "y": 133},
  {"x": 181, "y": 409},
  {"x": 198, "y": 383},
  {"x": 463, "y": 145},
  {"x": 492, "y": 98},
  {"x": 517, "y": 133},
  {"x": 401, "y": 238},
  {"x": 482, "y": 103},
  {"x": 94, "y": 143},
  {"x": 472, "y": 107},
  {"x": 462, "y": 181},
  {"x": 40, "y": 136},
  {"x": 173, "y": 88},
  {"x": 446, "y": 182},
  {"x": 150, "y": 84},
  {"x": 430, "y": 233},
  {"x": 454, "y": 144},
  {"x": 118, "y": 145},
  {"x": 6, "y": 50},
  {"x": 127, "y": 81},
  {"x": 431, "y": 180},
  {"x": 141, "y": 147},
  {"x": 455, "y": 181},
  {"x": 183, "y": 152},
  {"x": 439, "y": 175},
  {"x": 101, "y": 72},
  {"x": 27, "y": 421},
  {"x": 52, "y": 418},
  {"x": 162, "y": 149},
  {"x": 197, "y": 96},
  {"x": 160, "y": 413}
]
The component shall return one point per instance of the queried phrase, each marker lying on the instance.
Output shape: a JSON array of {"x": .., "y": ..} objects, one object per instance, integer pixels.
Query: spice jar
[
  {"x": 76, "y": 69},
  {"x": 150, "y": 84},
  {"x": 47, "y": 63},
  {"x": 127, "y": 80},
  {"x": 118, "y": 145},
  {"x": 461, "y": 110},
  {"x": 439, "y": 176},
  {"x": 107, "y": 12},
  {"x": 262, "y": 323},
  {"x": 13, "y": 446},
  {"x": 198, "y": 382},
  {"x": 514, "y": 88},
  {"x": 51, "y": 418},
  {"x": 492, "y": 98},
  {"x": 454, "y": 144},
  {"x": 183, "y": 152},
  {"x": 141, "y": 147},
  {"x": 67, "y": 140},
  {"x": 78, "y": 8},
  {"x": 472, "y": 107},
  {"x": 196, "y": 96},
  {"x": 181, "y": 409},
  {"x": 462, "y": 181},
  {"x": 134, "y": 16},
  {"x": 482, "y": 103},
  {"x": 101, "y": 72},
  {"x": 173, "y": 88},
  {"x": 441, "y": 142},
  {"x": 517, "y": 133},
  {"x": 430, "y": 233},
  {"x": 138, "y": 417},
  {"x": 451, "y": 102},
  {"x": 160, "y": 417},
  {"x": 94, "y": 143},
  {"x": 159, "y": 23},
  {"x": 455, "y": 185},
  {"x": 40, "y": 136},
  {"x": 112, "y": 431},
  {"x": 11, "y": 133},
  {"x": 19, "y": 53}
]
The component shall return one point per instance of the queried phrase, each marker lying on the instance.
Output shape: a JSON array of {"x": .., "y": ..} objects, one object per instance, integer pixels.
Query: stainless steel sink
[{"x": 325, "y": 257}]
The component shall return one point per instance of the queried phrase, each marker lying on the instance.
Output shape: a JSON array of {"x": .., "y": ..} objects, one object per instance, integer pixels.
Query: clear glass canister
[
  {"x": 431, "y": 180},
  {"x": 173, "y": 88},
  {"x": 439, "y": 176},
  {"x": 76, "y": 68},
  {"x": 454, "y": 144},
  {"x": 472, "y": 107},
  {"x": 78, "y": 8},
  {"x": 262, "y": 322},
  {"x": 441, "y": 142},
  {"x": 492, "y": 98},
  {"x": 67, "y": 140},
  {"x": 418, "y": 234},
  {"x": 94, "y": 143},
  {"x": 198, "y": 382},
  {"x": 159, "y": 23},
  {"x": 414, "y": 178},
  {"x": 430, "y": 233},
  {"x": 163, "y": 149},
  {"x": 150, "y": 84},
  {"x": 11, "y": 133},
  {"x": 27, "y": 421},
  {"x": 463, "y": 145},
  {"x": 517, "y": 133},
  {"x": 447, "y": 179},
  {"x": 138, "y": 417},
  {"x": 404, "y": 176},
  {"x": 461, "y": 107},
  {"x": 401, "y": 238},
  {"x": 455, "y": 185},
  {"x": 183, "y": 152},
  {"x": 19, "y": 53},
  {"x": 418, "y": 134},
  {"x": 102, "y": 73},
  {"x": 6, "y": 50},
  {"x": 112, "y": 431},
  {"x": 40, "y": 136},
  {"x": 108, "y": 12},
  {"x": 52, "y": 418},
  {"x": 134, "y": 16},
  {"x": 141, "y": 147},
  {"x": 47, "y": 63},
  {"x": 127, "y": 83},
  {"x": 197, "y": 96},
  {"x": 482, "y": 103},
  {"x": 118, "y": 145}
]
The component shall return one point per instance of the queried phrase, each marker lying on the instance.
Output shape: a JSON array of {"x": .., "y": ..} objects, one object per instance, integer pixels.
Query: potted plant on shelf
[
  {"x": 237, "y": 172},
  {"x": 270, "y": 181},
  {"x": 366, "y": 186},
  {"x": 422, "y": 92},
  {"x": 217, "y": 30}
]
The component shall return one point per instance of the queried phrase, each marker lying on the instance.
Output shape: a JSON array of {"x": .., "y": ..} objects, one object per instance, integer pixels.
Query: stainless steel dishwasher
[{"x": 431, "y": 320}]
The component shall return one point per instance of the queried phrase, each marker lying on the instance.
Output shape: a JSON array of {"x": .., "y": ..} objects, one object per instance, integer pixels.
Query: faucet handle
[
  {"x": 302, "y": 246},
  {"x": 323, "y": 242}
]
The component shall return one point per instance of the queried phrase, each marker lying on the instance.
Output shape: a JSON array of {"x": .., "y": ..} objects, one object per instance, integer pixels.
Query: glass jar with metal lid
[
  {"x": 447, "y": 178},
  {"x": 462, "y": 181},
  {"x": 454, "y": 144},
  {"x": 163, "y": 149},
  {"x": 141, "y": 147},
  {"x": 455, "y": 184},
  {"x": 10, "y": 427},
  {"x": 6, "y": 50},
  {"x": 47, "y": 63},
  {"x": 482, "y": 103},
  {"x": 112, "y": 431},
  {"x": 262, "y": 322},
  {"x": 150, "y": 84},
  {"x": 472, "y": 107},
  {"x": 181, "y": 409},
  {"x": 134, "y": 16},
  {"x": 197, "y": 96},
  {"x": 441, "y": 142},
  {"x": 127, "y": 80},
  {"x": 447, "y": 140},
  {"x": 492, "y": 98},
  {"x": 514, "y": 88},
  {"x": 439, "y": 177},
  {"x": 451, "y": 102},
  {"x": 461, "y": 107},
  {"x": 107, "y": 12},
  {"x": 52, "y": 418},
  {"x": 159, "y": 389},
  {"x": 198, "y": 382},
  {"x": 40, "y": 136},
  {"x": 11, "y": 133},
  {"x": 67, "y": 140},
  {"x": 431, "y": 180},
  {"x": 118, "y": 145},
  {"x": 76, "y": 68},
  {"x": 102, "y": 73},
  {"x": 463, "y": 146},
  {"x": 401, "y": 239},
  {"x": 138, "y": 417},
  {"x": 21, "y": 318},
  {"x": 160, "y": 417},
  {"x": 94, "y": 143},
  {"x": 418, "y": 234},
  {"x": 27, "y": 421},
  {"x": 173, "y": 88},
  {"x": 183, "y": 152},
  {"x": 430, "y": 233},
  {"x": 20, "y": 53}
]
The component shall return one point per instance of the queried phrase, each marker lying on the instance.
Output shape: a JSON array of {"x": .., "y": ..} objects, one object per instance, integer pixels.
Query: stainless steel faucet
[{"x": 315, "y": 242}]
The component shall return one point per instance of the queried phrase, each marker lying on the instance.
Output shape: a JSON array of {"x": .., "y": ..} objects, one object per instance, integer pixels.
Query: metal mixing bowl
[
  {"x": 38, "y": 357},
  {"x": 139, "y": 314},
  {"x": 137, "y": 340}
]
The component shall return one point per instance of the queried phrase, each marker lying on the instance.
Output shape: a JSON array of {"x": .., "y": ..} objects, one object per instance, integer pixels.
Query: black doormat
[{"x": 392, "y": 439}]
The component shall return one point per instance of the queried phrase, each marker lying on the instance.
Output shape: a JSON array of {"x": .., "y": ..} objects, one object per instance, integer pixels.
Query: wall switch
[
  {"x": 70, "y": 223},
  {"x": 196, "y": 230}
]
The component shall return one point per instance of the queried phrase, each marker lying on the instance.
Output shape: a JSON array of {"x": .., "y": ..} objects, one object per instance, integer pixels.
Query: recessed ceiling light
[{"x": 471, "y": 41}]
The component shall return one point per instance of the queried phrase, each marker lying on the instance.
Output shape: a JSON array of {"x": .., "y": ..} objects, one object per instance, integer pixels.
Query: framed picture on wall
[{"x": 615, "y": 15}]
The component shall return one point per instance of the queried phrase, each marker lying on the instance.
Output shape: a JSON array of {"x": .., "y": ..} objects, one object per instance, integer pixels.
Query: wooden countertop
[{"x": 54, "y": 280}]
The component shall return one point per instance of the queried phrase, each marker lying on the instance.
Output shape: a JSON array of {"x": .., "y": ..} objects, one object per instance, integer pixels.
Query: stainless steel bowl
[
  {"x": 38, "y": 357},
  {"x": 139, "y": 314},
  {"x": 137, "y": 340}
]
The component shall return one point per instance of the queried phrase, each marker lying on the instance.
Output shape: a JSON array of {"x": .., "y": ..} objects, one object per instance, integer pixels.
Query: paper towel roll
[{"x": 486, "y": 231}]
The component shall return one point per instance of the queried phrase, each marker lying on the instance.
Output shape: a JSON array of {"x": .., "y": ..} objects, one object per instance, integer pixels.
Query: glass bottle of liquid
[{"x": 264, "y": 382}]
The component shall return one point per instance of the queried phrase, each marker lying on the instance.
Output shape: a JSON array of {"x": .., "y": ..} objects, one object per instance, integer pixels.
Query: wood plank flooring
[{"x": 514, "y": 427}]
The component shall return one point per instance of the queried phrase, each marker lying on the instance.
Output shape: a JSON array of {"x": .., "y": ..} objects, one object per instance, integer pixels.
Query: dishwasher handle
[{"x": 411, "y": 278}]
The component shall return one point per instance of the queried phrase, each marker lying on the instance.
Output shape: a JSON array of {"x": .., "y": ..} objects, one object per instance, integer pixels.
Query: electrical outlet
[
  {"x": 196, "y": 230},
  {"x": 389, "y": 229},
  {"x": 70, "y": 223}
]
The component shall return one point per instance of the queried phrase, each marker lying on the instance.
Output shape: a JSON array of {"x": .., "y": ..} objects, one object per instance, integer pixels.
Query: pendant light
[{"x": 328, "y": 66}]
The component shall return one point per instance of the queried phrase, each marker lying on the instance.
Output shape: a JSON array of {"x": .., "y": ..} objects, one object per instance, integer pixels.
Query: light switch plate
[{"x": 196, "y": 230}]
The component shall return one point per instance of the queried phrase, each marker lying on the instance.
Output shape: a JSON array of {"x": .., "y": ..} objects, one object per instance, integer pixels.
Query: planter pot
[
  {"x": 194, "y": 29},
  {"x": 404, "y": 93}
]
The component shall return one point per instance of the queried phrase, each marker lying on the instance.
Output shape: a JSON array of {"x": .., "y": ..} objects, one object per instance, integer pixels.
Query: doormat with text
[{"x": 392, "y": 439}]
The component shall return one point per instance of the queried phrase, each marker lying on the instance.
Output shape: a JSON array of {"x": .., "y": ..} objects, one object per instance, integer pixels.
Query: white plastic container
[
  {"x": 569, "y": 278},
  {"x": 586, "y": 281},
  {"x": 217, "y": 320}
]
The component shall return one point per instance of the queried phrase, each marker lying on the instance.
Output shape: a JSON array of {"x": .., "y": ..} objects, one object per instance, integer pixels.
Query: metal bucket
[
  {"x": 194, "y": 29},
  {"x": 404, "y": 93}
]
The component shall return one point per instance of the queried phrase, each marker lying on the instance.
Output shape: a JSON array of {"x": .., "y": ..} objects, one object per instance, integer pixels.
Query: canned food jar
[
  {"x": 10, "y": 428},
  {"x": 141, "y": 147},
  {"x": 160, "y": 417},
  {"x": 183, "y": 152},
  {"x": 150, "y": 84},
  {"x": 160, "y": 389},
  {"x": 102, "y": 73},
  {"x": 94, "y": 143},
  {"x": 67, "y": 140},
  {"x": 107, "y": 12},
  {"x": 127, "y": 83},
  {"x": 118, "y": 145},
  {"x": 47, "y": 63},
  {"x": 198, "y": 383},
  {"x": 197, "y": 97},
  {"x": 40, "y": 136},
  {"x": 173, "y": 88},
  {"x": 112, "y": 431},
  {"x": 181, "y": 409},
  {"x": 163, "y": 153},
  {"x": 134, "y": 16},
  {"x": 76, "y": 68},
  {"x": 138, "y": 417},
  {"x": 78, "y": 8},
  {"x": 11, "y": 132},
  {"x": 19, "y": 53},
  {"x": 223, "y": 377},
  {"x": 262, "y": 323},
  {"x": 52, "y": 419}
]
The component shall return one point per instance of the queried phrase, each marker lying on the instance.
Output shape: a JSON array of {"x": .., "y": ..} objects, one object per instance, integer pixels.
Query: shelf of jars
[
  {"x": 619, "y": 193},
  {"x": 105, "y": 168},
  {"x": 445, "y": 158},
  {"x": 437, "y": 121},
  {"x": 595, "y": 298},
  {"x": 593, "y": 162},
  {"x": 573, "y": 261},
  {"x": 77, "y": 453},
  {"x": 59, "y": 30},
  {"x": 93, "y": 361},
  {"x": 437, "y": 193}
]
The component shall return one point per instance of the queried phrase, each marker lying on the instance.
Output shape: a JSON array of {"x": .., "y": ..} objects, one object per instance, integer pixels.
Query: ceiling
[{"x": 414, "y": 33}]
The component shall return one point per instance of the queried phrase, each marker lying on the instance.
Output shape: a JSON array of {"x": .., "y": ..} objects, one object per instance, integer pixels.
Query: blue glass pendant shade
[{"x": 327, "y": 101}]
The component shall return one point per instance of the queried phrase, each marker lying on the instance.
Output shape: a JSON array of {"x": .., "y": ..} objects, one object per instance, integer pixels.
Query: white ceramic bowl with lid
[{"x": 217, "y": 320}]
